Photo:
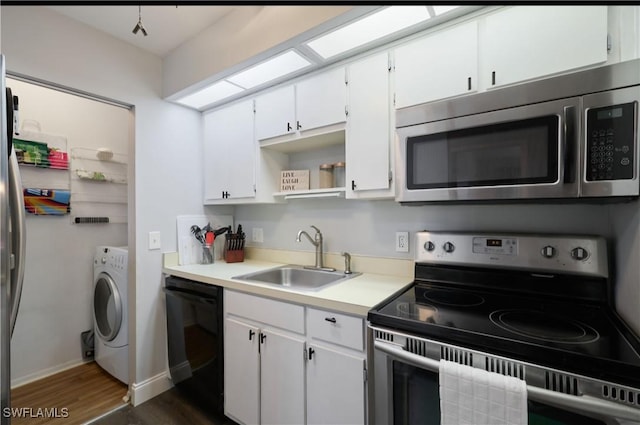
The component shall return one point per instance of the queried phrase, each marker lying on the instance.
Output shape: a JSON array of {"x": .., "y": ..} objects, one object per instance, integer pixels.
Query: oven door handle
[{"x": 590, "y": 406}]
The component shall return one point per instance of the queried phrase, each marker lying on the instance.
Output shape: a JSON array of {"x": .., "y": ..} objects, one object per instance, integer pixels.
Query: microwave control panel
[{"x": 611, "y": 142}]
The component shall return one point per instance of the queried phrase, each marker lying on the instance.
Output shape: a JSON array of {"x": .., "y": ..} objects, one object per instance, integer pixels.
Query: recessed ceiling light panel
[
  {"x": 210, "y": 94},
  {"x": 368, "y": 29},
  {"x": 439, "y": 10},
  {"x": 270, "y": 69}
]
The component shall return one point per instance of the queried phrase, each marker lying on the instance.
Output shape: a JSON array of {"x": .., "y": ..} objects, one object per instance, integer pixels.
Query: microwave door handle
[
  {"x": 569, "y": 145},
  {"x": 587, "y": 405}
]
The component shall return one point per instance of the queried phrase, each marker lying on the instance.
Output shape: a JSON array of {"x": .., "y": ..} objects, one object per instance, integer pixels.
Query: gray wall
[{"x": 368, "y": 228}]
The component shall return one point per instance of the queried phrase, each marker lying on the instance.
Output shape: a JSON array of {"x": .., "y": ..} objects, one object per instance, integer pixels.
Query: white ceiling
[{"x": 168, "y": 26}]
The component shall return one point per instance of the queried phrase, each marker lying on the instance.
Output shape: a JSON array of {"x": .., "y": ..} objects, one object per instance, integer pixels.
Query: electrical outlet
[
  {"x": 154, "y": 240},
  {"x": 258, "y": 235},
  {"x": 402, "y": 241}
]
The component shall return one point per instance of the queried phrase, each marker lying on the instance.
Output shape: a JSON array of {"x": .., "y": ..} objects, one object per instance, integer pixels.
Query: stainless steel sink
[{"x": 297, "y": 277}]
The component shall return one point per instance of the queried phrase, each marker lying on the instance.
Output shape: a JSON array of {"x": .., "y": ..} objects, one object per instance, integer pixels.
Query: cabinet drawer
[
  {"x": 336, "y": 328},
  {"x": 271, "y": 312}
]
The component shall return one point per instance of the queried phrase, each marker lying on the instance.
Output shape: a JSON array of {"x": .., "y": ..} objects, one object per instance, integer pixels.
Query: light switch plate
[
  {"x": 154, "y": 240},
  {"x": 258, "y": 235}
]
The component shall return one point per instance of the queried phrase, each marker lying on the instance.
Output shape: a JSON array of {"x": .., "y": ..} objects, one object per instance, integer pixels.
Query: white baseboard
[
  {"x": 26, "y": 379},
  {"x": 149, "y": 388}
]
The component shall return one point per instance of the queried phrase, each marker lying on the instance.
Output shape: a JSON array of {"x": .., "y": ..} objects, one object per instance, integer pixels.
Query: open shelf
[
  {"x": 314, "y": 139},
  {"x": 332, "y": 192}
]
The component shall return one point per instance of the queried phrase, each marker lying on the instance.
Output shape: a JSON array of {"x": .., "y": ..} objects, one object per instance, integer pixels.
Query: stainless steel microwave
[{"x": 567, "y": 137}]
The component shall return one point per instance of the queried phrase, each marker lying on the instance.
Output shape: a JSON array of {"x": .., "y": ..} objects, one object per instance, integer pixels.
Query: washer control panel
[{"x": 536, "y": 253}]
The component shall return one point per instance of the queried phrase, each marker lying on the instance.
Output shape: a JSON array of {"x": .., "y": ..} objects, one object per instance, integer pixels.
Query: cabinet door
[
  {"x": 229, "y": 152},
  {"x": 335, "y": 388},
  {"x": 525, "y": 42},
  {"x": 282, "y": 379},
  {"x": 241, "y": 372},
  {"x": 367, "y": 144},
  {"x": 441, "y": 65},
  {"x": 275, "y": 113},
  {"x": 321, "y": 100}
]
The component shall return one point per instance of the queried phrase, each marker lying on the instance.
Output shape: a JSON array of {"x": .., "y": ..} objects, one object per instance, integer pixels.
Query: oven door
[
  {"x": 526, "y": 152},
  {"x": 406, "y": 392}
]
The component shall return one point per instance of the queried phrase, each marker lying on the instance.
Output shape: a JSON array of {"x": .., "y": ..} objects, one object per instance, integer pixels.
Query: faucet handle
[{"x": 316, "y": 229}]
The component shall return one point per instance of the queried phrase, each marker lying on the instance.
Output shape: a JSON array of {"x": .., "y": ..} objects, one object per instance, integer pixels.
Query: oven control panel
[
  {"x": 537, "y": 253},
  {"x": 491, "y": 245}
]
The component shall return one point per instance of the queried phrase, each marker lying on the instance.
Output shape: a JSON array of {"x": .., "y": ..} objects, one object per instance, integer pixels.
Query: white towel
[{"x": 471, "y": 396}]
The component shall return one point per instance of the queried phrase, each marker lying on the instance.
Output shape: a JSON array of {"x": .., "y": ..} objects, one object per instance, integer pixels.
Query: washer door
[{"x": 107, "y": 307}]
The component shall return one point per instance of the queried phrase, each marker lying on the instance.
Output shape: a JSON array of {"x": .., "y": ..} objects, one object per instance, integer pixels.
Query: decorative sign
[{"x": 294, "y": 180}]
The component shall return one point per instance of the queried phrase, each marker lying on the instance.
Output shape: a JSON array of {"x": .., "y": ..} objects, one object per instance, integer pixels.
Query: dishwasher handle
[
  {"x": 588, "y": 405},
  {"x": 189, "y": 296}
]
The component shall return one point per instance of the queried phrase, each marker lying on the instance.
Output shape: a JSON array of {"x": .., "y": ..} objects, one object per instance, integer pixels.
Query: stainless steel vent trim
[
  {"x": 623, "y": 395},
  {"x": 588, "y": 391}
]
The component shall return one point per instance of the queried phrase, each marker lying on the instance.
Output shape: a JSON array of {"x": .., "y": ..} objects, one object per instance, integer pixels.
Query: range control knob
[
  {"x": 103, "y": 260},
  {"x": 448, "y": 247},
  {"x": 579, "y": 254},
  {"x": 429, "y": 246},
  {"x": 548, "y": 251}
]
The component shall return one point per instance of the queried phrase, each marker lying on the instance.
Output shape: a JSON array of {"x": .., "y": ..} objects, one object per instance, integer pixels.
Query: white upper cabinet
[
  {"x": 321, "y": 100},
  {"x": 310, "y": 104},
  {"x": 275, "y": 113},
  {"x": 229, "y": 153},
  {"x": 440, "y": 65},
  {"x": 526, "y": 42},
  {"x": 368, "y": 134}
]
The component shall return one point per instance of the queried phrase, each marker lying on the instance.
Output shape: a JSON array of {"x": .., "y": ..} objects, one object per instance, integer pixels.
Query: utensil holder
[{"x": 207, "y": 254}]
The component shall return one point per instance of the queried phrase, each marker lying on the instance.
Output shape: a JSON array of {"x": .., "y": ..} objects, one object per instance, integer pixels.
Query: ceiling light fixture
[
  {"x": 368, "y": 29},
  {"x": 270, "y": 70},
  {"x": 139, "y": 26}
]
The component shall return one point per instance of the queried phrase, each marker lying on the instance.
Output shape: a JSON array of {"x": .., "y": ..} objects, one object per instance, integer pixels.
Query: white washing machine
[{"x": 110, "y": 285}]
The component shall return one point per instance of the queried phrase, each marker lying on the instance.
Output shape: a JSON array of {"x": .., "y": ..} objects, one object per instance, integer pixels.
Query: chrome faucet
[{"x": 317, "y": 242}]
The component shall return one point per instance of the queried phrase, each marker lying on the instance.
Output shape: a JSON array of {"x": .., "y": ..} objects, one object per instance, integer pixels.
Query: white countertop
[{"x": 354, "y": 296}]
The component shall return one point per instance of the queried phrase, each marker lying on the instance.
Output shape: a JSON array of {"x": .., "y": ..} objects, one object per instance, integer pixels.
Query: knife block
[{"x": 233, "y": 250}]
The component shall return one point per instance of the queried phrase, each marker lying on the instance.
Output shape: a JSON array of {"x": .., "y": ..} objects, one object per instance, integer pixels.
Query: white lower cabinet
[
  {"x": 281, "y": 378},
  {"x": 242, "y": 368},
  {"x": 336, "y": 370},
  {"x": 279, "y": 371}
]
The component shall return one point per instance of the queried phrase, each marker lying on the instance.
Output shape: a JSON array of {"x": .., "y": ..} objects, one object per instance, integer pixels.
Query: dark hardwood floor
[{"x": 169, "y": 408}]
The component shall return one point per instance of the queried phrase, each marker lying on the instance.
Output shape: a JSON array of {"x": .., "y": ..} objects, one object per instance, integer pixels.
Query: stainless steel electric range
[{"x": 531, "y": 306}]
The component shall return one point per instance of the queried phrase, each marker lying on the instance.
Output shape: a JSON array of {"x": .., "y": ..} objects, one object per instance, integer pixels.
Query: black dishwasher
[{"x": 195, "y": 340}]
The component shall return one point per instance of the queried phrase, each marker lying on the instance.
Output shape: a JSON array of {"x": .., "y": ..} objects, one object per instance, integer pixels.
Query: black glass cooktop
[{"x": 572, "y": 334}]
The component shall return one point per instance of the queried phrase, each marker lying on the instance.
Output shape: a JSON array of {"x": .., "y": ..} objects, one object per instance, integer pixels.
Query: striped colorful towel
[{"x": 47, "y": 201}]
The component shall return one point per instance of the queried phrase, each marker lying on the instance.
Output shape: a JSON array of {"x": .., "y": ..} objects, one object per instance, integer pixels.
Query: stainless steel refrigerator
[{"x": 12, "y": 239}]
